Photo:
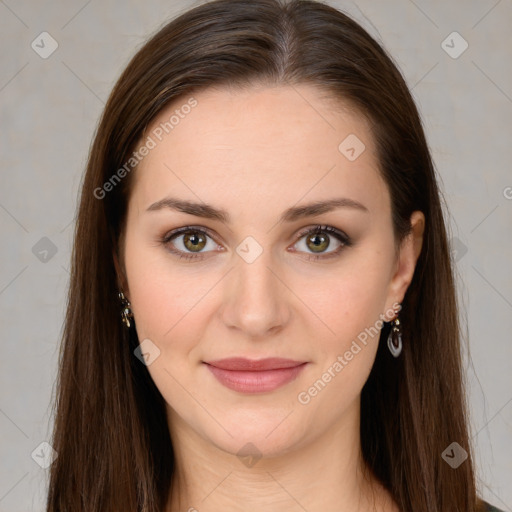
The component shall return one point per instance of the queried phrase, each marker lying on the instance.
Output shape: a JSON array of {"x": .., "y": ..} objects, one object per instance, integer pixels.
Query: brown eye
[
  {"x": 192, "y": 243},
  {"x": 189, "y": 243},
  {"x": 194, "y": 240},
  {"x": 317, "y": 242},
  {"x": 318, "y": 239}
]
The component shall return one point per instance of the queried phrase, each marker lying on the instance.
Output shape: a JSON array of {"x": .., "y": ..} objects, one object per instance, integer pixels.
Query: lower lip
[{"x": 255, "y": 382}]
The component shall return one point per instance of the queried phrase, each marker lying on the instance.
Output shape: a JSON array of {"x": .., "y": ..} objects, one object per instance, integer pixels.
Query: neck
[{"x": 327, "y": 473}]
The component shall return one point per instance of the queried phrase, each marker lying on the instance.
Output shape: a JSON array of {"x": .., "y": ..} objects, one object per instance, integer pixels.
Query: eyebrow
[{"x": 291, "y": 214}]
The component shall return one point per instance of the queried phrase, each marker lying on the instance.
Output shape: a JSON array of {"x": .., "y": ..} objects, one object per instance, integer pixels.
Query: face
[{"x": 253, "y": 281}]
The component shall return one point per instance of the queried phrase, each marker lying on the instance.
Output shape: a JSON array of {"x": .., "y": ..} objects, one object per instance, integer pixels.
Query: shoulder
[{"x": 490, "y": 508}]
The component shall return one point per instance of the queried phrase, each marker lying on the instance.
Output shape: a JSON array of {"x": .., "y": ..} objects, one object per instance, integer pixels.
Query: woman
[{"x": 261, "y": 199}]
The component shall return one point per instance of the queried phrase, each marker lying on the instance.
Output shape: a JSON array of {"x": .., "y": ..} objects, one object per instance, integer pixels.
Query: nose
[{"x": 256, "y": 297}]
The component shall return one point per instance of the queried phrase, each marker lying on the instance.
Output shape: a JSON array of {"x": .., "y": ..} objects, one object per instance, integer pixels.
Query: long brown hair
[{"x": 110, "y": 432}]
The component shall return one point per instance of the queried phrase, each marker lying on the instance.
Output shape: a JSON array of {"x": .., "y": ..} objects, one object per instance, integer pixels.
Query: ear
[{"x": 410, "y": 250}]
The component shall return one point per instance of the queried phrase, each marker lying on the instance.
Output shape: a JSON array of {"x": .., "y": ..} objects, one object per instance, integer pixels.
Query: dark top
[{"x": 490, "y": 508}]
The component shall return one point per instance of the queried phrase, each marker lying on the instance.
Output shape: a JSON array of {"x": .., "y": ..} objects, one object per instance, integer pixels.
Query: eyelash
[{"x": 339, "y": 235}]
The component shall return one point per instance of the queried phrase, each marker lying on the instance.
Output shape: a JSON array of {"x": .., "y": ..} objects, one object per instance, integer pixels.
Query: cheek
[
  {"x": 171, "y": 303},
  {"x": 158, "y": 295},
  {"x": 346, "y": 304},
  {"x": 346, "y": 342}
]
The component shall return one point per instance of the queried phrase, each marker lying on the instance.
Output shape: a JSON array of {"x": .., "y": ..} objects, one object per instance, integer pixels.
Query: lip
[
  {"x": 255, "y": 376},
  {"x": 244, "y": 364}
]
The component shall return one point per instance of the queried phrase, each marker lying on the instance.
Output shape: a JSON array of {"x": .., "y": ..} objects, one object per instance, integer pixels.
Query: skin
[{"x": 255, "y": 153}]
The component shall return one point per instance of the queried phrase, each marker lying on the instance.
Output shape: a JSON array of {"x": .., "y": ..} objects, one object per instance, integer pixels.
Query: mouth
[{"x": 255, "y": 376}]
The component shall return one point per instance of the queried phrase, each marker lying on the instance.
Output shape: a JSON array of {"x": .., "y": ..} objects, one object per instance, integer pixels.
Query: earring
[
  {"x": 126, "y": 312},
  {"x": 395, "y": 338}
]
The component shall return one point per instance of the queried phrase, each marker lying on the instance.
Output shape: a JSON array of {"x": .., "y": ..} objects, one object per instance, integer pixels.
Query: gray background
[{"x": 49, "y": 110}]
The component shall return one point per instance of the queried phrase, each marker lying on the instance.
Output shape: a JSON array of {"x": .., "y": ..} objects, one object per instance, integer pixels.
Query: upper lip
[{"x": 244, "y": 364}]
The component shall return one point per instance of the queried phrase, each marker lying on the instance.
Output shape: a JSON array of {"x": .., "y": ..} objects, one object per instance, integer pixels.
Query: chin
[
  {"x": 267, "y": 435},
  {"x": 251, "y": 448}
]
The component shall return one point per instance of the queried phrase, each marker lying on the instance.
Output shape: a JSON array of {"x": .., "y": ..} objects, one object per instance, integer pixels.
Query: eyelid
[
  {"x": 180, "y": 231},
  {"x": 324, "y": 228},
  {"x": 342, "y": 237}
]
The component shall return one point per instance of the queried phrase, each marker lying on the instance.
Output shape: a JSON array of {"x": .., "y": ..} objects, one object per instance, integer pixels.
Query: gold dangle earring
[{"x": 126, "y": 312}]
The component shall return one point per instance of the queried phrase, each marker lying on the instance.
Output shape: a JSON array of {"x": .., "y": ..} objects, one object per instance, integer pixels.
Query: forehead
[{"x": 256, "y": 145}]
